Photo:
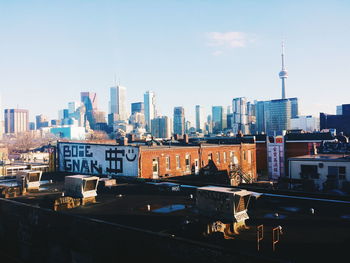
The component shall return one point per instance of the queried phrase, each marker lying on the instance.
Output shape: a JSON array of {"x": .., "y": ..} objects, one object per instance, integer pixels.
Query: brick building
[
  {"x": 295, "y": 144},
  {"x": 164, "y": 161},
  {"x": 157, "y": 160}
]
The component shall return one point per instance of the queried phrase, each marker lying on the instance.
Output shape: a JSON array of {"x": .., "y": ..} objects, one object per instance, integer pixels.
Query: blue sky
[{"x": 188, "y": 52}]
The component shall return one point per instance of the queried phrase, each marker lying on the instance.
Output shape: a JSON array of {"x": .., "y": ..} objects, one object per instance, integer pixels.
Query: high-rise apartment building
[
  {"x": 150, "y": 108},
  {"x": 240, "y": 115},
  {"x": 16, "y": 120},
  {"x": 118, "y": 101},
  {"x": 179, "y": 120},
  {"x": 200, "y": 118},
  {"x": 161, "y": 127}
]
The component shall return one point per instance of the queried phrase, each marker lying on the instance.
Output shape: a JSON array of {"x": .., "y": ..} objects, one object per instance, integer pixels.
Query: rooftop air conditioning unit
[
  {"x": 30, "y": 178},
  {"x": 80, "y": 186},
  {"x": 224, "y": 202}
]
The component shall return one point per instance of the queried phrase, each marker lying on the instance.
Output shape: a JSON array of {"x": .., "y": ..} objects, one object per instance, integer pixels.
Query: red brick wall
[
  {"x": 147, "y": 155},
  {"x": 261, "y": 158},
  {"x": 201, "y": 153},
  {"x": 294, "y": 149}
]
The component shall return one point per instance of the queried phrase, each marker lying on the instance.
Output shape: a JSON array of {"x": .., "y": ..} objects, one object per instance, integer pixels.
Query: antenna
[{"x": 283, "y": 67}]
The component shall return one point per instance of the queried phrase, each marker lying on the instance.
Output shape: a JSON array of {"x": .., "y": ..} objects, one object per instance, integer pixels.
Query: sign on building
[
  {"x": 95, "y": 159},
  {"x": 275, "y": 155}
]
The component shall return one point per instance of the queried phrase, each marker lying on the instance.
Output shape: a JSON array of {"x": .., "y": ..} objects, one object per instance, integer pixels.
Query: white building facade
[{"x": 305, "y": 123}]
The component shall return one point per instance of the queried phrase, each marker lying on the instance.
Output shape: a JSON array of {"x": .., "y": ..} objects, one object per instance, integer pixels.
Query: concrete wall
[
  {"x": 295, "y": 170},
  {"x": 32, "y": 234}
]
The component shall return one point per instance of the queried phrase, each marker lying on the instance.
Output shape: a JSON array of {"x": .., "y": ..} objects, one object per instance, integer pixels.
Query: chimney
[
  {"x": 123, "y": 141},
  {"x": 186, "y": 138}
]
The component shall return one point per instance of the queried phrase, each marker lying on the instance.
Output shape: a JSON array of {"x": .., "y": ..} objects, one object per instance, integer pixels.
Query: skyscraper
[
  {"x": 283, "y": 74},
  {"x": 89, "y": 99},
  {"x": 240, "y": 115},
  {"x": 217, "y": 118},
  {"x": 199, "y": 118},
  {"x": 261, "y": 108},
  {"x": 16, "y": 120},
  {"x": 295, "y": 107},
  {"x": 150, "y": 108},
  {"x": 118, "y": 101},
  {"x": 161, "y": 127},
  {"x": 179, "y": 120},
  {"x": 279, "y": 114},
  {"x": 2, "y": 127}
]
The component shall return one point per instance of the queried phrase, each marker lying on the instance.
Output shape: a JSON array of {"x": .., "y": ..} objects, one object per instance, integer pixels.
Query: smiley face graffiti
[{"x": 130, "y": 152}]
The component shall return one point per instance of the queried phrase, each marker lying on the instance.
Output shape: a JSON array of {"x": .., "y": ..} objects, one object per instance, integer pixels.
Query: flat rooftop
[
  {"x": 161, "y": 208},
  {"x": 323, "y": 157}
]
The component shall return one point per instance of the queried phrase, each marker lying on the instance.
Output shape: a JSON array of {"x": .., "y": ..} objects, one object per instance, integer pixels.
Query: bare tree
[{"x": 98, "y": 136}]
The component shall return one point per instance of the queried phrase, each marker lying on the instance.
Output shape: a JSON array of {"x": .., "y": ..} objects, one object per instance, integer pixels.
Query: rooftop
[
  {"x": 324, "y": 157},
  {"x": 171, "y": 209}
]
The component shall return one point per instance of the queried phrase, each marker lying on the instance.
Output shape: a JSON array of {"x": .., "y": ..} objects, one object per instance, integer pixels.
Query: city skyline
[{"x": 215, "y": 57}]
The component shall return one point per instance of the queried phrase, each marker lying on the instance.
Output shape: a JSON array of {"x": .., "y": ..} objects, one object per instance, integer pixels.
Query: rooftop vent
[
  {"x": 80, "y": 186},
  {"x": 29, "y": 179}
]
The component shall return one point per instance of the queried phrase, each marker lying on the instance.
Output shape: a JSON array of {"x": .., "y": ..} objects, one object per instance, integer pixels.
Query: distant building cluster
[{"x": 83, "y": 119}]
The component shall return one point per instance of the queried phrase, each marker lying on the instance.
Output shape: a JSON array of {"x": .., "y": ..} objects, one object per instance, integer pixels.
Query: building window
[
  {"x": 309, "y": 171},
  {"x": 342, "y": 172},
  {"x": 178, "y": 165},
  {"x": 218, "y": 157},
  {"x": 155, "y": 165},
  {"x": 244, "y": 156},
  {"x": 335, "y": 172},
  {"x": 188, "y": 162},
  {"x": 225, "y": 158},
  {"x": 167, "y": 162}
]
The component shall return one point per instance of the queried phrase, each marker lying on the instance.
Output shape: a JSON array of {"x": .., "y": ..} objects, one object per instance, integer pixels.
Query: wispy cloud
[
  {"x": 227, "y": 39},
  {"x": 217, "y": 53}
]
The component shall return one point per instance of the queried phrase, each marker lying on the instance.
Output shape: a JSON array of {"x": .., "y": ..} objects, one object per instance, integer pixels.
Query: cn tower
[{"x": 283, "y": 74}]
